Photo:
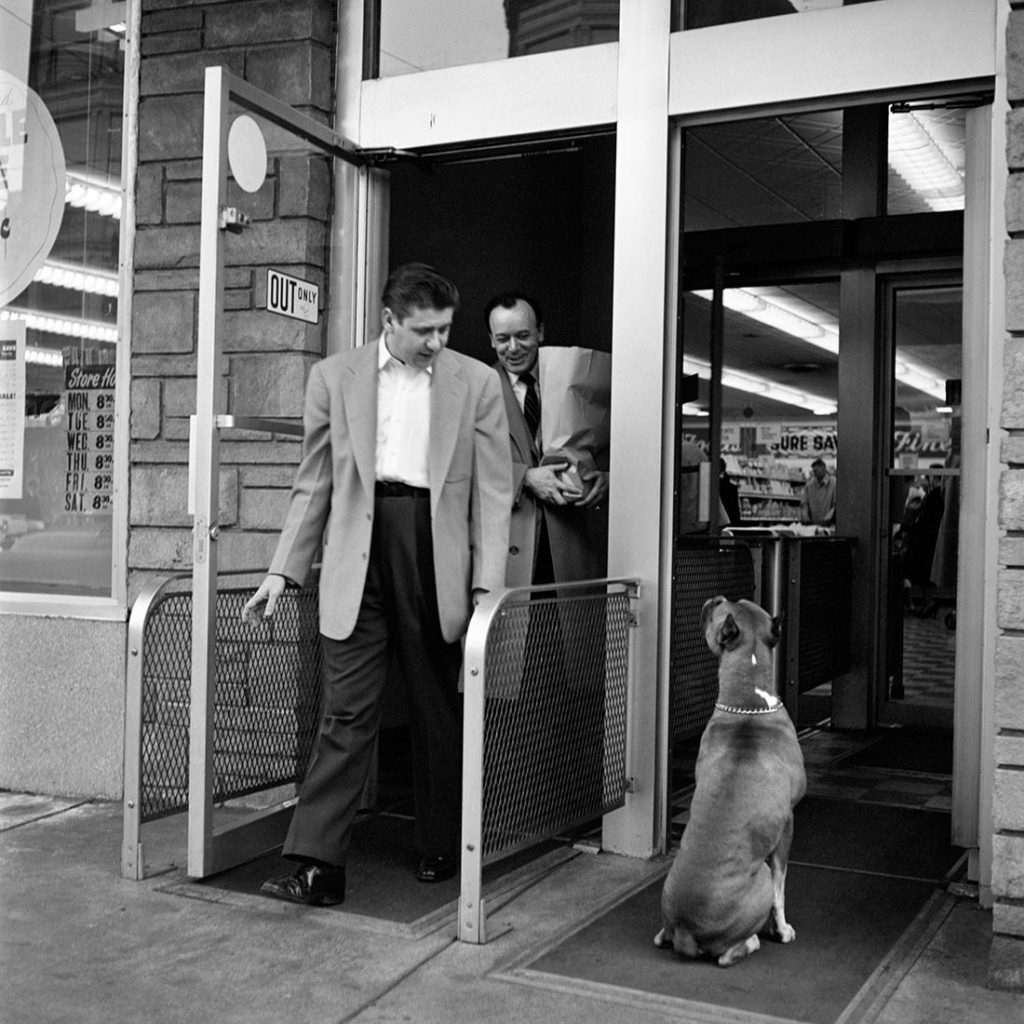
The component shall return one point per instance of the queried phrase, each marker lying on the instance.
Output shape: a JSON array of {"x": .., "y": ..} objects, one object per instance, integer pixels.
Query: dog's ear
[
  {"x": 728, "y": 631},
  {"x": 776, "y": 633}
]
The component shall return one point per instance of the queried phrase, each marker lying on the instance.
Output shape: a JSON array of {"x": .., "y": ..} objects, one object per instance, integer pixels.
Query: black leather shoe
[
  {"x": 436, "y": 869},
  {"x": 311, "y": 884}
]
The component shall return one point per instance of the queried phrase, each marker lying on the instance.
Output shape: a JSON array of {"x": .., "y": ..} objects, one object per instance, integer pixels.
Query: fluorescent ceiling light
[
  {"x": 917, "y": 155},
  {"x": 43, "y": 356},
  {"x": 782, "y": 311},
  {"x": 80, "y": 279},
  {"x": 762, "y": 387},
  {"x": 917, "y": 375},
  {"x": 92, "y": 194},
  {"x": 786, "y": 312},
  {"x": 88, "y": 329}
]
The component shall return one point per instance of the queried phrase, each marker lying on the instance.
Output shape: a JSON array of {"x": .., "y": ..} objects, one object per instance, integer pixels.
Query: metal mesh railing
[
  {"x": 545, "y": 726},
  {"x": 266, "y": 705},
  {"x": 704, "y": 567},
  {"x": 820, "y": 574},
  {"x": 554, "y": 715}
]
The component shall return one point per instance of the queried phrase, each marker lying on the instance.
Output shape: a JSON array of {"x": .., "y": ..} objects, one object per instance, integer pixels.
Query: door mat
[
  {"x": 380, "y": 881},
  {"x": 910, "y": 750},
  {"x": 864, "y": 891},
  {"x": 902, "y": 842},
  {"x": 857, "y": 935}
]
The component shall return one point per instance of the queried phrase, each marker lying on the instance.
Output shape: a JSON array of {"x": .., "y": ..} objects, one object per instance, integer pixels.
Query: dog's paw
[
  {"x": 786, "y": 933},
  {"x": 739, "y": 951}
]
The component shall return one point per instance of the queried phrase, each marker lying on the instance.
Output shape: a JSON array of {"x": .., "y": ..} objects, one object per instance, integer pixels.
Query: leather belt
[{"x": 396, "y": 489}]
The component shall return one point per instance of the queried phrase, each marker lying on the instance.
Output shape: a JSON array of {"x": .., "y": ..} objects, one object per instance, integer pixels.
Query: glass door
[{"x": 924, "y": 325}]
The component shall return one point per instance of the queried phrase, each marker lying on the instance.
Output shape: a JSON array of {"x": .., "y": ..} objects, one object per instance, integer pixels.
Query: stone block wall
[
  {"x": 288, "y": 50},
  {"x": 1006, "y": 969}
]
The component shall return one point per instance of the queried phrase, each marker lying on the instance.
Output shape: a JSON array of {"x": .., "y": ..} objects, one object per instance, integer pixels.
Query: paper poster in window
[{"x": 12, "y": 407}]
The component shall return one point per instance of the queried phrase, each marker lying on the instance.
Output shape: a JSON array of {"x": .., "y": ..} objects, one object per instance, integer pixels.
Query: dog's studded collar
[{"x": 749, "y": 711}]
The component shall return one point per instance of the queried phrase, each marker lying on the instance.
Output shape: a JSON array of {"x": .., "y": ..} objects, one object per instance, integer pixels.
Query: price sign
[{"x": 89, "y": 401}]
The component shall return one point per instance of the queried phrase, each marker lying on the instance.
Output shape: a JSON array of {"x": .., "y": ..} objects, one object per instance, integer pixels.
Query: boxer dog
[{"x": 728, "y": 880}]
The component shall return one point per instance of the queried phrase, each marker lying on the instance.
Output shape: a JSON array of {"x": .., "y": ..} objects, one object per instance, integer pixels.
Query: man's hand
[
  {"x": 547, "y": 484},
  {"x": 269, "y": 591},
  {"x": 596, "y": 481}
]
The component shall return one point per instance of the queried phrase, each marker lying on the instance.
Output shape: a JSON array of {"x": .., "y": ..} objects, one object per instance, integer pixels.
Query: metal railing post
[
  {"x": 472, "y": 914},
  {"x": 133, "y": 862}
]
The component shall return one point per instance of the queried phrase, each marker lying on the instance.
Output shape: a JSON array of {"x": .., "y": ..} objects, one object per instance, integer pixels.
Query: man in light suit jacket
[
  {"x": 405, "y": 484},
  {"x": 557, "y": 532}
]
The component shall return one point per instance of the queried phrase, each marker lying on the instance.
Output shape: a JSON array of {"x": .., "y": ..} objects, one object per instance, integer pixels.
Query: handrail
[
  {"x": 134, "y": 797},
  {"x": 226, "y": 421},
  {"x": 472, "y": 905},
  {"x": 490, "y": 604},
  {"x": 149, "y": 597}
]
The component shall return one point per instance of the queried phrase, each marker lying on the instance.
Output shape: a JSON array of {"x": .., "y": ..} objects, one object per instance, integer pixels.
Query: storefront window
[
  {"x": 772, "y": 170},
  {"x": 61, "y": 101},
  {"x": 785, "y": 170},
  {"x": 417, "y": 35}
]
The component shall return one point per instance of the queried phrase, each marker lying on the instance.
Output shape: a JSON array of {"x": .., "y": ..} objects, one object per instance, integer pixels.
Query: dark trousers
[{"x": 398, "y": 616}]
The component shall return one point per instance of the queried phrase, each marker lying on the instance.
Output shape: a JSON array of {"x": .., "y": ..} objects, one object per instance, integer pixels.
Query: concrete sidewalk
[{"x": 80, "y": 945}]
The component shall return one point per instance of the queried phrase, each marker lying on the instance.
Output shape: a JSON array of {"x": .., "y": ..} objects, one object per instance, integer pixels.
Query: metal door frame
[{"x": 211, "y": 850}]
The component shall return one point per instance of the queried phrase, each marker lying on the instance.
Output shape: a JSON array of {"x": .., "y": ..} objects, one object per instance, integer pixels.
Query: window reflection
[
  {"x": 418, "y": 35},
  {"x": 58, "y": 333},
  {"x": 705, "y": 13}
]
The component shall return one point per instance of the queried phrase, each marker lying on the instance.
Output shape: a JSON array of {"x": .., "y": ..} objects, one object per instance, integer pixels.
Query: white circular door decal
[
  {"x": 247, "y": 153},
  {"x": 32, "y": 185}
]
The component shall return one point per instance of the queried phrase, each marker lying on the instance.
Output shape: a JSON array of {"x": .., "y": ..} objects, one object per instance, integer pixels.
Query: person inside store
[
  {"x": 729, "y": 493},
  {"x": 915, "y": 540},
  {"x": 405, "y": 482},
  {"x": 818, "y": 501},
  {"x": 558, "y": 531}
]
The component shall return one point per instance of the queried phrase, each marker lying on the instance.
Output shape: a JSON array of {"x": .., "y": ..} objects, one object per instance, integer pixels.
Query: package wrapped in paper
[{"x": 575, "y": 405}]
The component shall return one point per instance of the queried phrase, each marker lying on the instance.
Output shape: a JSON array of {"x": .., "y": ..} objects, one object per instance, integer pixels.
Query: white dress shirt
[
  {"x": 518, "y": 388},
  {"x": 403, "y": 421}
]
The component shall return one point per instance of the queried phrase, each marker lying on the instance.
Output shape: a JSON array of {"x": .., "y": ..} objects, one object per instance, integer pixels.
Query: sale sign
[{"x": 32, "y": 185}]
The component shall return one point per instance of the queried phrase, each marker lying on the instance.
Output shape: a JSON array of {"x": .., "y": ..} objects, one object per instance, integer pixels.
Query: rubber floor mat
[
  {"x": 865, "y": 882},
  {"x": 849, "y": 929},
  {"x": 909, "y": 750},
  {"x": 380, "y": 881}
]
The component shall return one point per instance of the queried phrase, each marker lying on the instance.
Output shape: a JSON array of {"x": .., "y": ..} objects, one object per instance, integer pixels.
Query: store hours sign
[{"x": 89, "y": 403}]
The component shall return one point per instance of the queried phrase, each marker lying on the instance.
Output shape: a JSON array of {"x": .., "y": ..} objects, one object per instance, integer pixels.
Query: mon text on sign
[{"x": 291, "y": 296}]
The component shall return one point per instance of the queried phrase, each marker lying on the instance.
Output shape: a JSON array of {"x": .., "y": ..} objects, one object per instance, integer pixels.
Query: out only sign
[{"x": 291, "y": 296}]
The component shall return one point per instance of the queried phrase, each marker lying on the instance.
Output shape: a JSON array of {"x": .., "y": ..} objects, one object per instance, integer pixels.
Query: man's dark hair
[
  {"x": 507, "y": 300},
  {"x": 819, "y": 462},
  {"x": 418, "y": 286}
]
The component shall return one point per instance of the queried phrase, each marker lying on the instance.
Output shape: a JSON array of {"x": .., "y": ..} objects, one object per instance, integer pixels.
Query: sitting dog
[{"x": 727, "y": 882}]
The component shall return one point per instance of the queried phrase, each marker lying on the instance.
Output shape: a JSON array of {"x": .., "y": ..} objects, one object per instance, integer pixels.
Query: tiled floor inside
[{"x": 830, "y": 775}]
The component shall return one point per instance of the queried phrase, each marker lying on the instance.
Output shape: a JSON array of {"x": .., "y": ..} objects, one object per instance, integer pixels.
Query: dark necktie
[{"x": 531, "y": 403}]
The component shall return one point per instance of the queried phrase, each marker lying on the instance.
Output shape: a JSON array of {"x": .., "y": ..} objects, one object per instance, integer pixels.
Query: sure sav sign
[{"x": 293, "y": 297}]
